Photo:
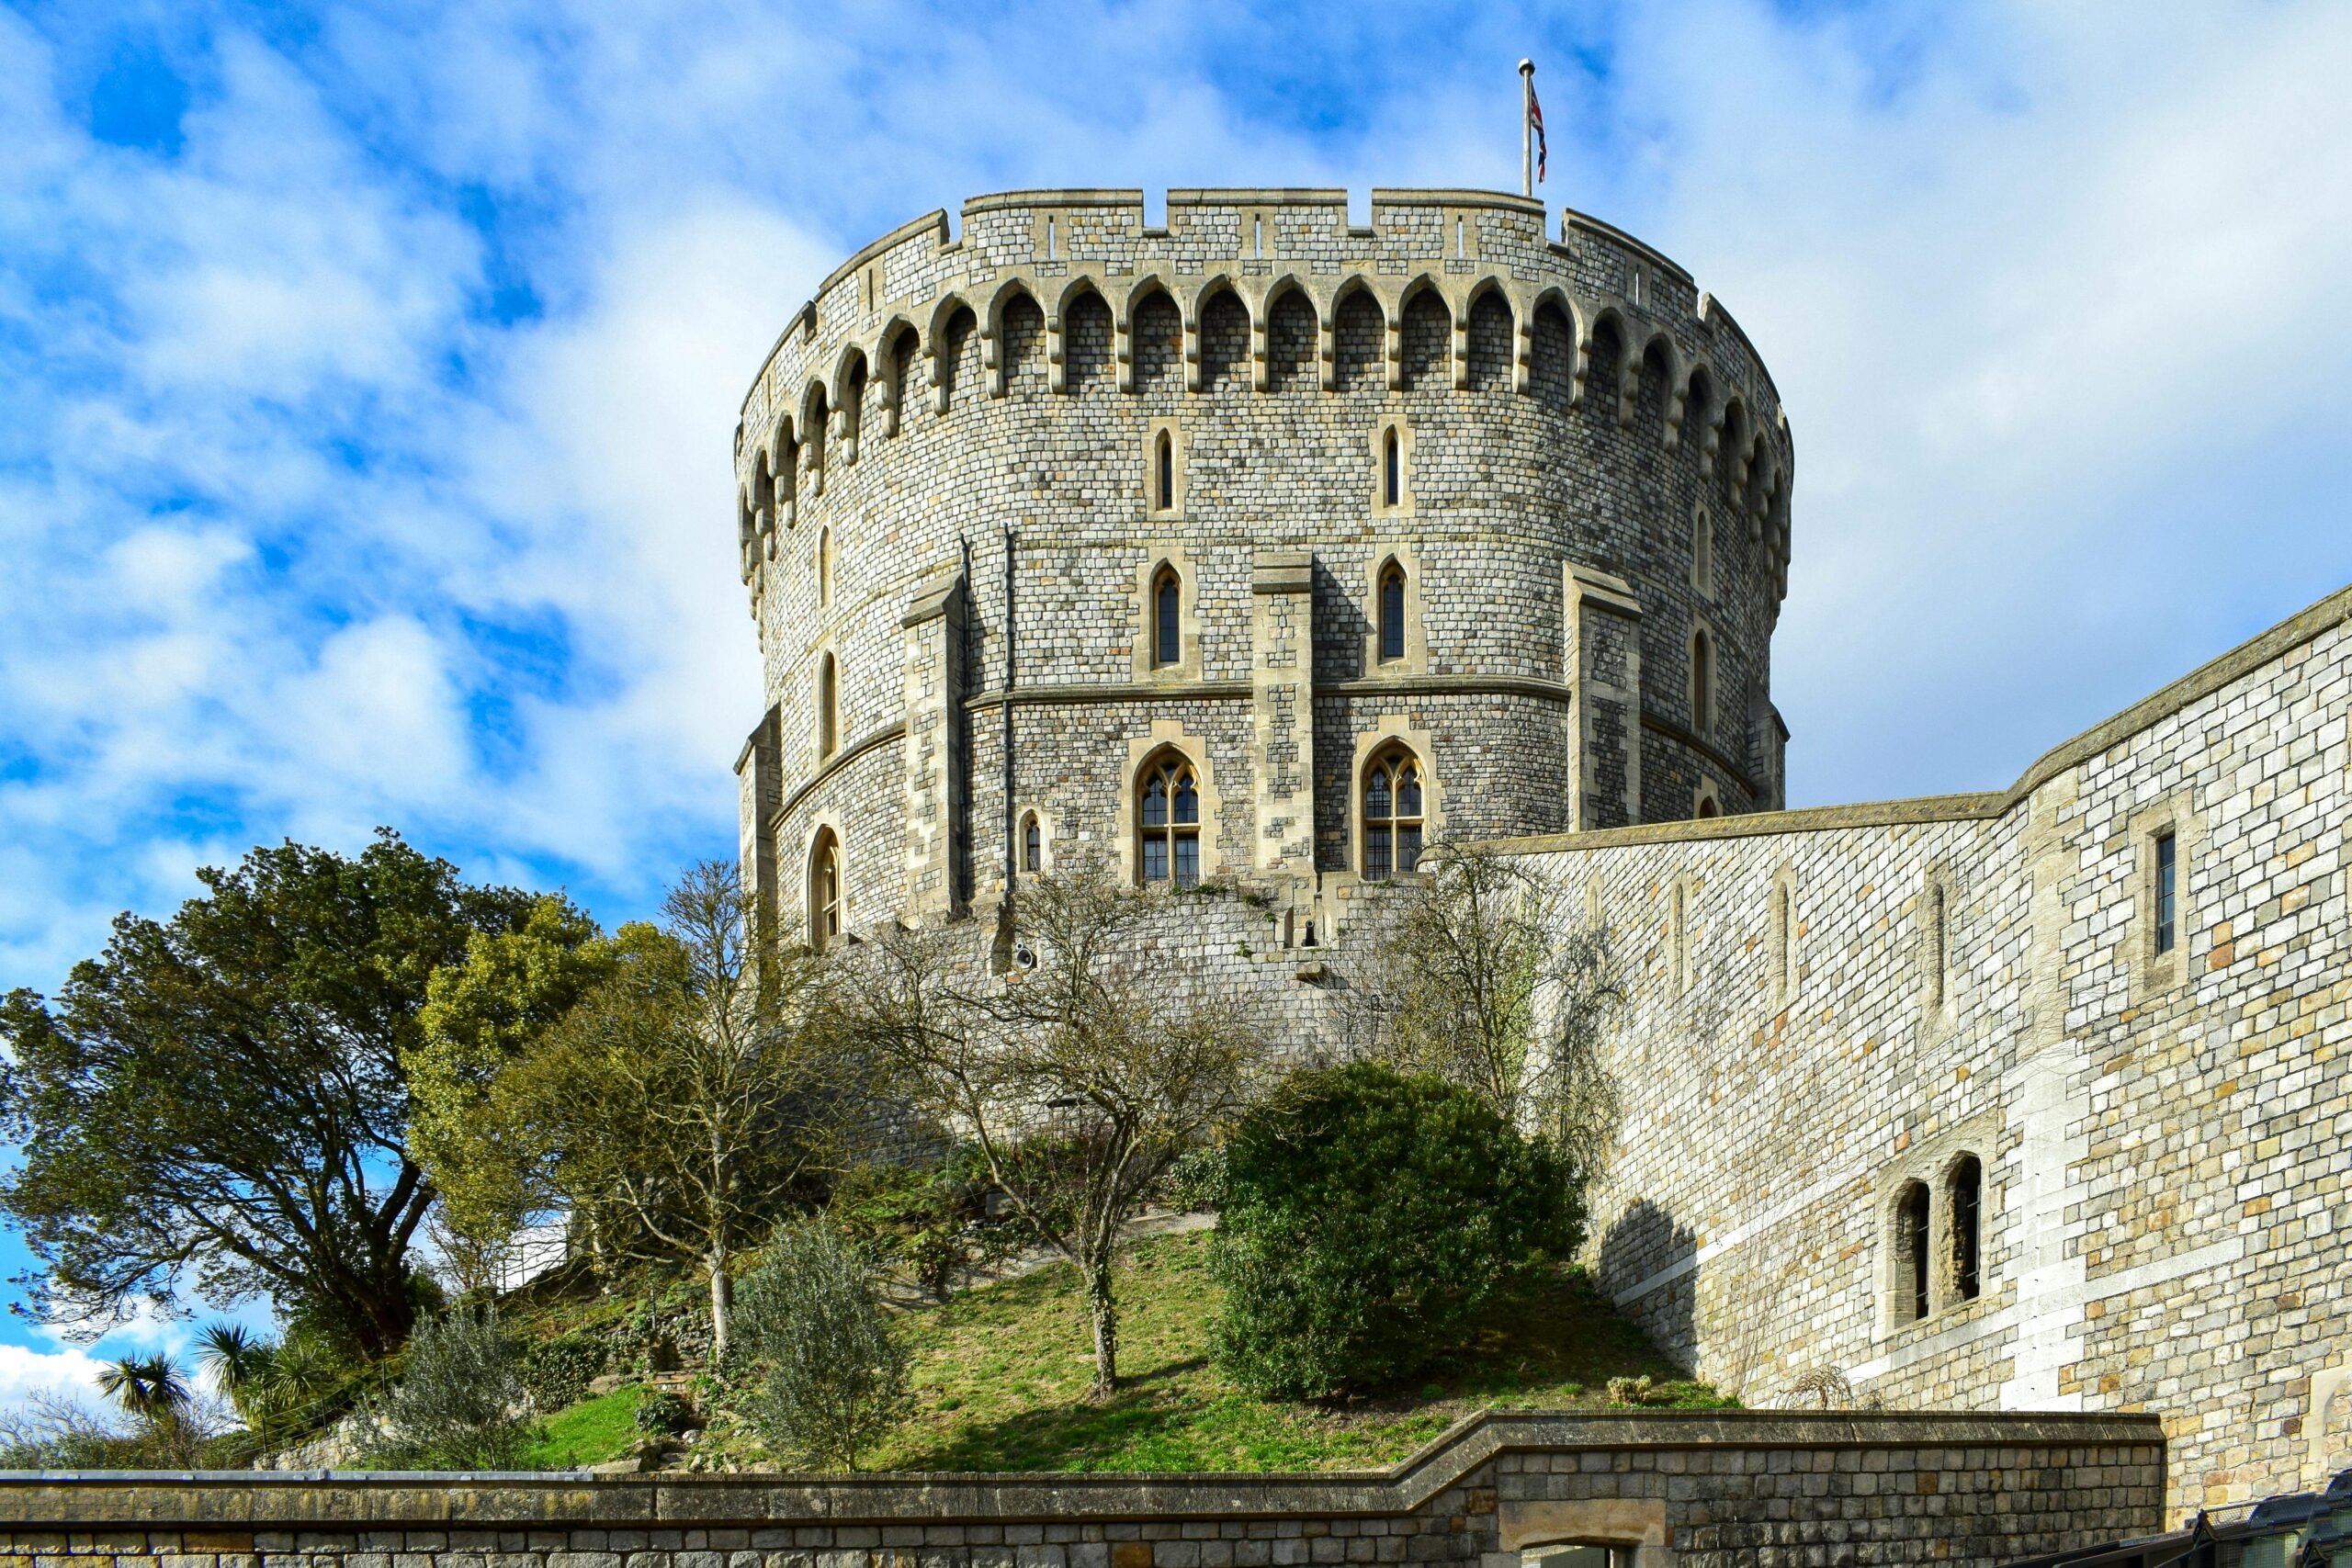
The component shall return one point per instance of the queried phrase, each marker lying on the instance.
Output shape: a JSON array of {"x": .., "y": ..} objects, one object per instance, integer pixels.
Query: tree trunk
[
  {"x": 1105, "y": 1313},
  {"x": 722, "y": 1298}
]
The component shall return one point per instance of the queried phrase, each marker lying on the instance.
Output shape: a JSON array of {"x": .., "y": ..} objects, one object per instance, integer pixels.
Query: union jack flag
[{"x": 1535, "y": 118}]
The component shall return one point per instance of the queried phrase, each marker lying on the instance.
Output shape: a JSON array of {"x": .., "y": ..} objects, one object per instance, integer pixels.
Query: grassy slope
[
  {"x": 1002, "y": 1373},
  {"x": 588, "y": 1433}
]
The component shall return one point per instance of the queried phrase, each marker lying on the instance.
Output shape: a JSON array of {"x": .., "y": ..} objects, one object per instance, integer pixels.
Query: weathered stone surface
[{"x": 1710, "y": 1489}]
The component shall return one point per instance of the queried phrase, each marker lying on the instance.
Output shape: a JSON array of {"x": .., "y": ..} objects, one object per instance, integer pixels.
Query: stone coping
[
  {"x": 246, "y": 1499},
  {"x": 2208, "y": 678}
]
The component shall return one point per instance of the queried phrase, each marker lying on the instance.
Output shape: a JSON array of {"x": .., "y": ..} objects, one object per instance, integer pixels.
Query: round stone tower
[{"x": 1260, "y": 547}]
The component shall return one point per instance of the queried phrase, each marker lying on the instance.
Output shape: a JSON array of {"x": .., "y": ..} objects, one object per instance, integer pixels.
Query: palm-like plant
[
  {"x": 234, "y": 1355},
  {"x": 152, "y": 1388}
]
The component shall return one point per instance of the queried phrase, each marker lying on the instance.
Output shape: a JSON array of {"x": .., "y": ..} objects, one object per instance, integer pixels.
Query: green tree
[
  {"x": 1080, "y": 1076},
  {"x": 1367, "y": 1219},
  {"x": 835, "y": 1378},
  {"x": 482, "y": 1016},
  {"x": 684, "y": 1098},
  {"x": 1483, "y": 977},
  {"x": 218, "y": 1101}
]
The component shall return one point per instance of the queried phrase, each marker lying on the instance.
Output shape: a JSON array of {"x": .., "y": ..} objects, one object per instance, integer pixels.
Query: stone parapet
[{"x": 1692, "y": 1489}]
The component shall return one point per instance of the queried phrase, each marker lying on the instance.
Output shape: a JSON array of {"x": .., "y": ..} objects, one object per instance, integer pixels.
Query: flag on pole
[{"x": 1535, "y": 119}]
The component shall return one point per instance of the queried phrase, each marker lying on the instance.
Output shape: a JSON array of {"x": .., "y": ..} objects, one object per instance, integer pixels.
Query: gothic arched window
[
  {"x": 1392, "y": 612},
  {"x": 1167, "y": 618},
  {"x": 1392, "y": 469},
  {"x": 1392, "y": 815},
  {"x": 1164, "y": 471},
  {"x": 828, "y": 707},
  {"x": 824, "y": 889},
  {"x": 825, "y": 567},
  {"x": 1167, "y": 822},
  {"x": 1033, "y": 845},
  {"x": 1966, "y": 1199}
]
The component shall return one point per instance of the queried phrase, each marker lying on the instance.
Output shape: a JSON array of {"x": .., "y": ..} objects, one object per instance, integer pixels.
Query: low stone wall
[{"x": 1731, "y": 1487}]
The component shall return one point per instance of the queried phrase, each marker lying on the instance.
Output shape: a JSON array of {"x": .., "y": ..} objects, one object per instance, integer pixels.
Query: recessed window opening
[
  {"x": 1167, "y": 618},
  {"x": 1031, "y": 844},
  {"x": 825, "y": 567},
  {"x": 1784, "y": 932},
  {"x": 1051, "y": 241},
  {"x": 1170, "y": 822},
  {"x": 1938, "y": 941},
  {"x": 1392, "y": 484},
  {"x": 1913, "y": 1216},
  {"x": 1703, "y": 684},
  {"x": 824, "y": 889},
  {"x": 1166, "y": 468},
  {"x": 1678, "y": 935},
  {"x": 2167, "y": 889},
  {"x": 1967, "y": 1200},
  {"x": 1392, "y": 612},
  {"x": 1702, "y": 552},
  {"x": 828, "y": 707},
  {"x": 1709, "y": 807},
  {"x": 1257, "y": 236},
  {"x": 1460, "y": 253},
  {"x": 1392, "y": 816}
]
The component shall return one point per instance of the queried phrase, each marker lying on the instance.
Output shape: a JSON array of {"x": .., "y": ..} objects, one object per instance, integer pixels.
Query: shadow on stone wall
[{"x": 1643, "y": 1242}]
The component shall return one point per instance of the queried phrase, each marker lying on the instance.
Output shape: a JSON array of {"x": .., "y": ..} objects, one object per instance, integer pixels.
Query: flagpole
[{"x": 1527, "y": 128}]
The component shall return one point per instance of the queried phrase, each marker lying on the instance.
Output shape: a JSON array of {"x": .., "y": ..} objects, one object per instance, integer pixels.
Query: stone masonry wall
[
  {"x": 1691, "y": 1489},
  {"x": 2166, "y": 1139},
  {"x": 1574, "y": 401}
]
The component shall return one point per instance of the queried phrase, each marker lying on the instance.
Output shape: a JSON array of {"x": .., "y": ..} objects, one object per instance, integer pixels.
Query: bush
[
  {"x": 1195, "y": 1183},
  {"x": 661, "y": 1413},
  {"x": 835, "y": 1376},
  {"x": 931, "y": 1222},
  {"x": 458, "y": 1404},
  {"x": 557, "y": 1370},
  {"x": 1368, "y": 1219}
]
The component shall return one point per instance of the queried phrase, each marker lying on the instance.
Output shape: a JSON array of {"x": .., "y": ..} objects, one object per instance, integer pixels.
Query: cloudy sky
[{"x": 366, "y": 374}]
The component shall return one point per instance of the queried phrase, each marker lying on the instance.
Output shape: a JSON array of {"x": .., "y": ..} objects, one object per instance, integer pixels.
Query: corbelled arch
[
  {"x": 1262, "y": 321},
  {"x": 938, "y": 355},
  {"x": 1283, "y": 299},
  {"x": 993, "y": 355},
  {"x": 1412, "y": 289},
  {"x": 1122, "y": 322},
  {"x": 1072, "y": 290},
  {"x": 1488, "y": 294},
  {"x": 1355, "y": 286},
  {"x": 1194, "y": 308},
  {"x": 1661, "y": 342},
  {"x": 851, "y": 369},
  {"x": 1620, "y": 380},
  {"x": 1693, "y": 402},
  {"x": 815, "y": 417},
  {"x": 895, "y": 347},
  {"x": 1574, "y": 313}
]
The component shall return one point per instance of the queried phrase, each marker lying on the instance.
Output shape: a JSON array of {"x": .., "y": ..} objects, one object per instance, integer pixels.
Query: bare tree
[
  {"x": 680, "y": 1102},
  {"x": 1483, "y": 975},
  {"x": 1080, "y": 1074}
]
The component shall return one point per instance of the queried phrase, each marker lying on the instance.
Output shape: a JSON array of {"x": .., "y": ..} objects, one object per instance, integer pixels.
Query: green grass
[
  {"x": 588, "y": 1433},
  {"x": 1001, "y": 1374}
]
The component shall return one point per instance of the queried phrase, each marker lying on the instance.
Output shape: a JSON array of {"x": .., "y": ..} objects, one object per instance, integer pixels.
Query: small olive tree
[
  {"x": 1484, "y": 976},
  {"x": 835, "y": 1378},
  {"x": 462, "y": 1399},
  {"x": 1079, "y": 1075}
]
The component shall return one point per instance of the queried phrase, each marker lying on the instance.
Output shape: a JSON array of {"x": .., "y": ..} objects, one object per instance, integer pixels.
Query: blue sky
[{"x": 366, "y": 374}]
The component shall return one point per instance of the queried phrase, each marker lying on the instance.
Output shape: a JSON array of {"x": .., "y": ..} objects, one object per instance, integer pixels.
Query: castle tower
[{"x": 1260, "y": 546}]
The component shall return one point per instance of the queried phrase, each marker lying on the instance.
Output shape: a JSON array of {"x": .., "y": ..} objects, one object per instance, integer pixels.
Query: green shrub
[
  {"x": 661, "y": 1413},
  {"x": 931, "y": 1220},
  {"x": 835, "y": 1378},
  {"x": 1196, "y": 1181},
  {"x": 1368, "y": 1219},
  {"x": 459, "y": 1403},
  {"x": 557, "y": 1370}
]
